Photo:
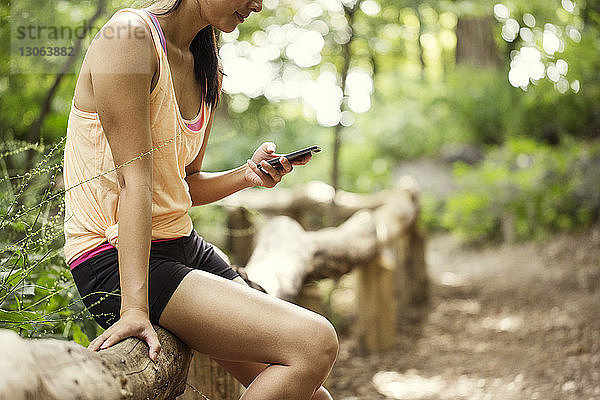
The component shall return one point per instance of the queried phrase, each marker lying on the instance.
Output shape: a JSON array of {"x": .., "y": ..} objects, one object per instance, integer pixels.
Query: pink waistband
[{"x": 103, "y": 247}]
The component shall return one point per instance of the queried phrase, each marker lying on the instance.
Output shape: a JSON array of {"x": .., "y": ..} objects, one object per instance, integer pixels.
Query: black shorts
[{"x": 97, "y": 278}]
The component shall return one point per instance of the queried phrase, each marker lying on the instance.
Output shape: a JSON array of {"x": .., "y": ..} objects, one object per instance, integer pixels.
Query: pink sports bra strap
[
  {"x": 163, "y": 41},
  {"x": 197, "y": 123}
]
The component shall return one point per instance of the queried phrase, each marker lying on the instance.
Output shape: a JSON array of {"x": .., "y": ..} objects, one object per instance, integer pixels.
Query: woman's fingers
[
  {"x": 257, "y": 177},
  {"x": 96, "y": 343},
  {"x": 303, "y": 160},
  {"x": 271, "y": 170},
  {"x": 112, "y": 339},
  {"x": 266, "y": 174},
  {"x": 264, "y": 151},
  {"x": 106, "y": 339},
  {"x": 151, "y": 338},
  {"x": 254, "y": 168},
  {"x": 123, "y": 329},
  {"x": 287, "y": 165},
  {"x": 269, "y": 147}
]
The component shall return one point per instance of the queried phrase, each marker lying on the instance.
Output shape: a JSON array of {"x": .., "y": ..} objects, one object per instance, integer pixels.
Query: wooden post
[
  {"x": 377, "y": 303},
  {"x": 208, "y": 380},
  {"x": 241, "y": 235},
  {"x": 412, "y": 280},
  {"x": 417, "y": 278}
]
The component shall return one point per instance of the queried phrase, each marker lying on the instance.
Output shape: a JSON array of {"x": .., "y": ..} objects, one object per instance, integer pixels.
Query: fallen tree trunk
[
  {"x": 286, "y": 256},
  {"x": 49, "y": 369}
]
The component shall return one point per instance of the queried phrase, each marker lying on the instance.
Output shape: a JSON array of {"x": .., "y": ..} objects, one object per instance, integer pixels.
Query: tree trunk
[
  {"x": 347, "y": 57},
  {"x": 475, "y": 42},
  {"x": 240, "y": 236}
]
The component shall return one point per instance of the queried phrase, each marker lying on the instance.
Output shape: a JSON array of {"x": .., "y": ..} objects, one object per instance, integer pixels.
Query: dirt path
[{"x": 519, "y": 321}]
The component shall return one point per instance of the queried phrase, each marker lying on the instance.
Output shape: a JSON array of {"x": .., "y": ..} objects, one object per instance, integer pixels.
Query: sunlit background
[{"x": 256, "y": 67}]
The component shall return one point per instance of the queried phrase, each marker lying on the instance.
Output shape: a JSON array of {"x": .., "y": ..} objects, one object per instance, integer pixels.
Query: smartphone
[{"x": 296, "y": 155}]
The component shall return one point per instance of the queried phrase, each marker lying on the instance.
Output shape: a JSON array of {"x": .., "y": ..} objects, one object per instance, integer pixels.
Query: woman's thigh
[{"x": 229, "y": 321}]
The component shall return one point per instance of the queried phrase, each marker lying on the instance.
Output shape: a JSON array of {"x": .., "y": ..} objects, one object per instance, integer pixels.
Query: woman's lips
[{"x": 240, "y": 17}]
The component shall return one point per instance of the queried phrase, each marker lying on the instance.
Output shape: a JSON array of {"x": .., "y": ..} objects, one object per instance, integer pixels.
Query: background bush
[{"x": 527, "y": 188}]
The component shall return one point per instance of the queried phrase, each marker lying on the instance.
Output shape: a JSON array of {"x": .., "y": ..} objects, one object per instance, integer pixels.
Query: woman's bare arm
[{"x": 122, "y": 67}]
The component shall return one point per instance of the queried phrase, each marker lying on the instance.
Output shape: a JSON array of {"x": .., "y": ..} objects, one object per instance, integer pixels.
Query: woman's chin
[{"x": 226, "y": 27}]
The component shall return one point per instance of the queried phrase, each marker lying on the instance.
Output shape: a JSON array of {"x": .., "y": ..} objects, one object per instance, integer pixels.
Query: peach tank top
[{"x": 92, "y": 195}]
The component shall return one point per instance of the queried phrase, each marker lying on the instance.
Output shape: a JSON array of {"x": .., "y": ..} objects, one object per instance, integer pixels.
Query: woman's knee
[
  {"x": 328, "y": 341},
  {"x": 319, "y": 346}
]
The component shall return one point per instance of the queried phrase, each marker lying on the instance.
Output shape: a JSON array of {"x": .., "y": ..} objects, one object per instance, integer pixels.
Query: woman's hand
[
  {"x": 132, "y": 323},
  {"x": 266, "y": 152}
]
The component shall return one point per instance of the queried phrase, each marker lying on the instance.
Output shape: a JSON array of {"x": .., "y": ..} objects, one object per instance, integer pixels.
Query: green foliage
[
  {"x": 25, "y": 81},
  {"x": 482, "y": 104},
  {"x": 550, "y": 115},
  {"x": 531, "y": 188},
  {"x": 471, "y": 106},
  {"x": 432, "y": 209},
  {"x": 210, "y": 222},
  {"x": 37, "y": 293},
  {"x": 546, "y": 108}
]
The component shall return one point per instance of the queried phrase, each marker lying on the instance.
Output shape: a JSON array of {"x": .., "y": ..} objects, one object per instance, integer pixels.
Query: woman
[{"x": 133, "y": 157}]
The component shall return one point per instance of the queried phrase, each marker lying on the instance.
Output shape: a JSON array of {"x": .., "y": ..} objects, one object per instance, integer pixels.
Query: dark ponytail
[
  {"x": 207, "y": 68},
  {"x": 206, "y": 64}
]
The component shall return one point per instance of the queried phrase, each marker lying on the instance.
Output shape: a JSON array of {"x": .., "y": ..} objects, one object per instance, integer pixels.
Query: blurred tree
[
  {"x": 475, "y": 42},
  {"x": 349, "y": 13}
]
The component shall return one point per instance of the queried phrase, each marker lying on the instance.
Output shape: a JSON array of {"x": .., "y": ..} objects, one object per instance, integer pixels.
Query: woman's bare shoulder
[{"x": 123, "y": 45}]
